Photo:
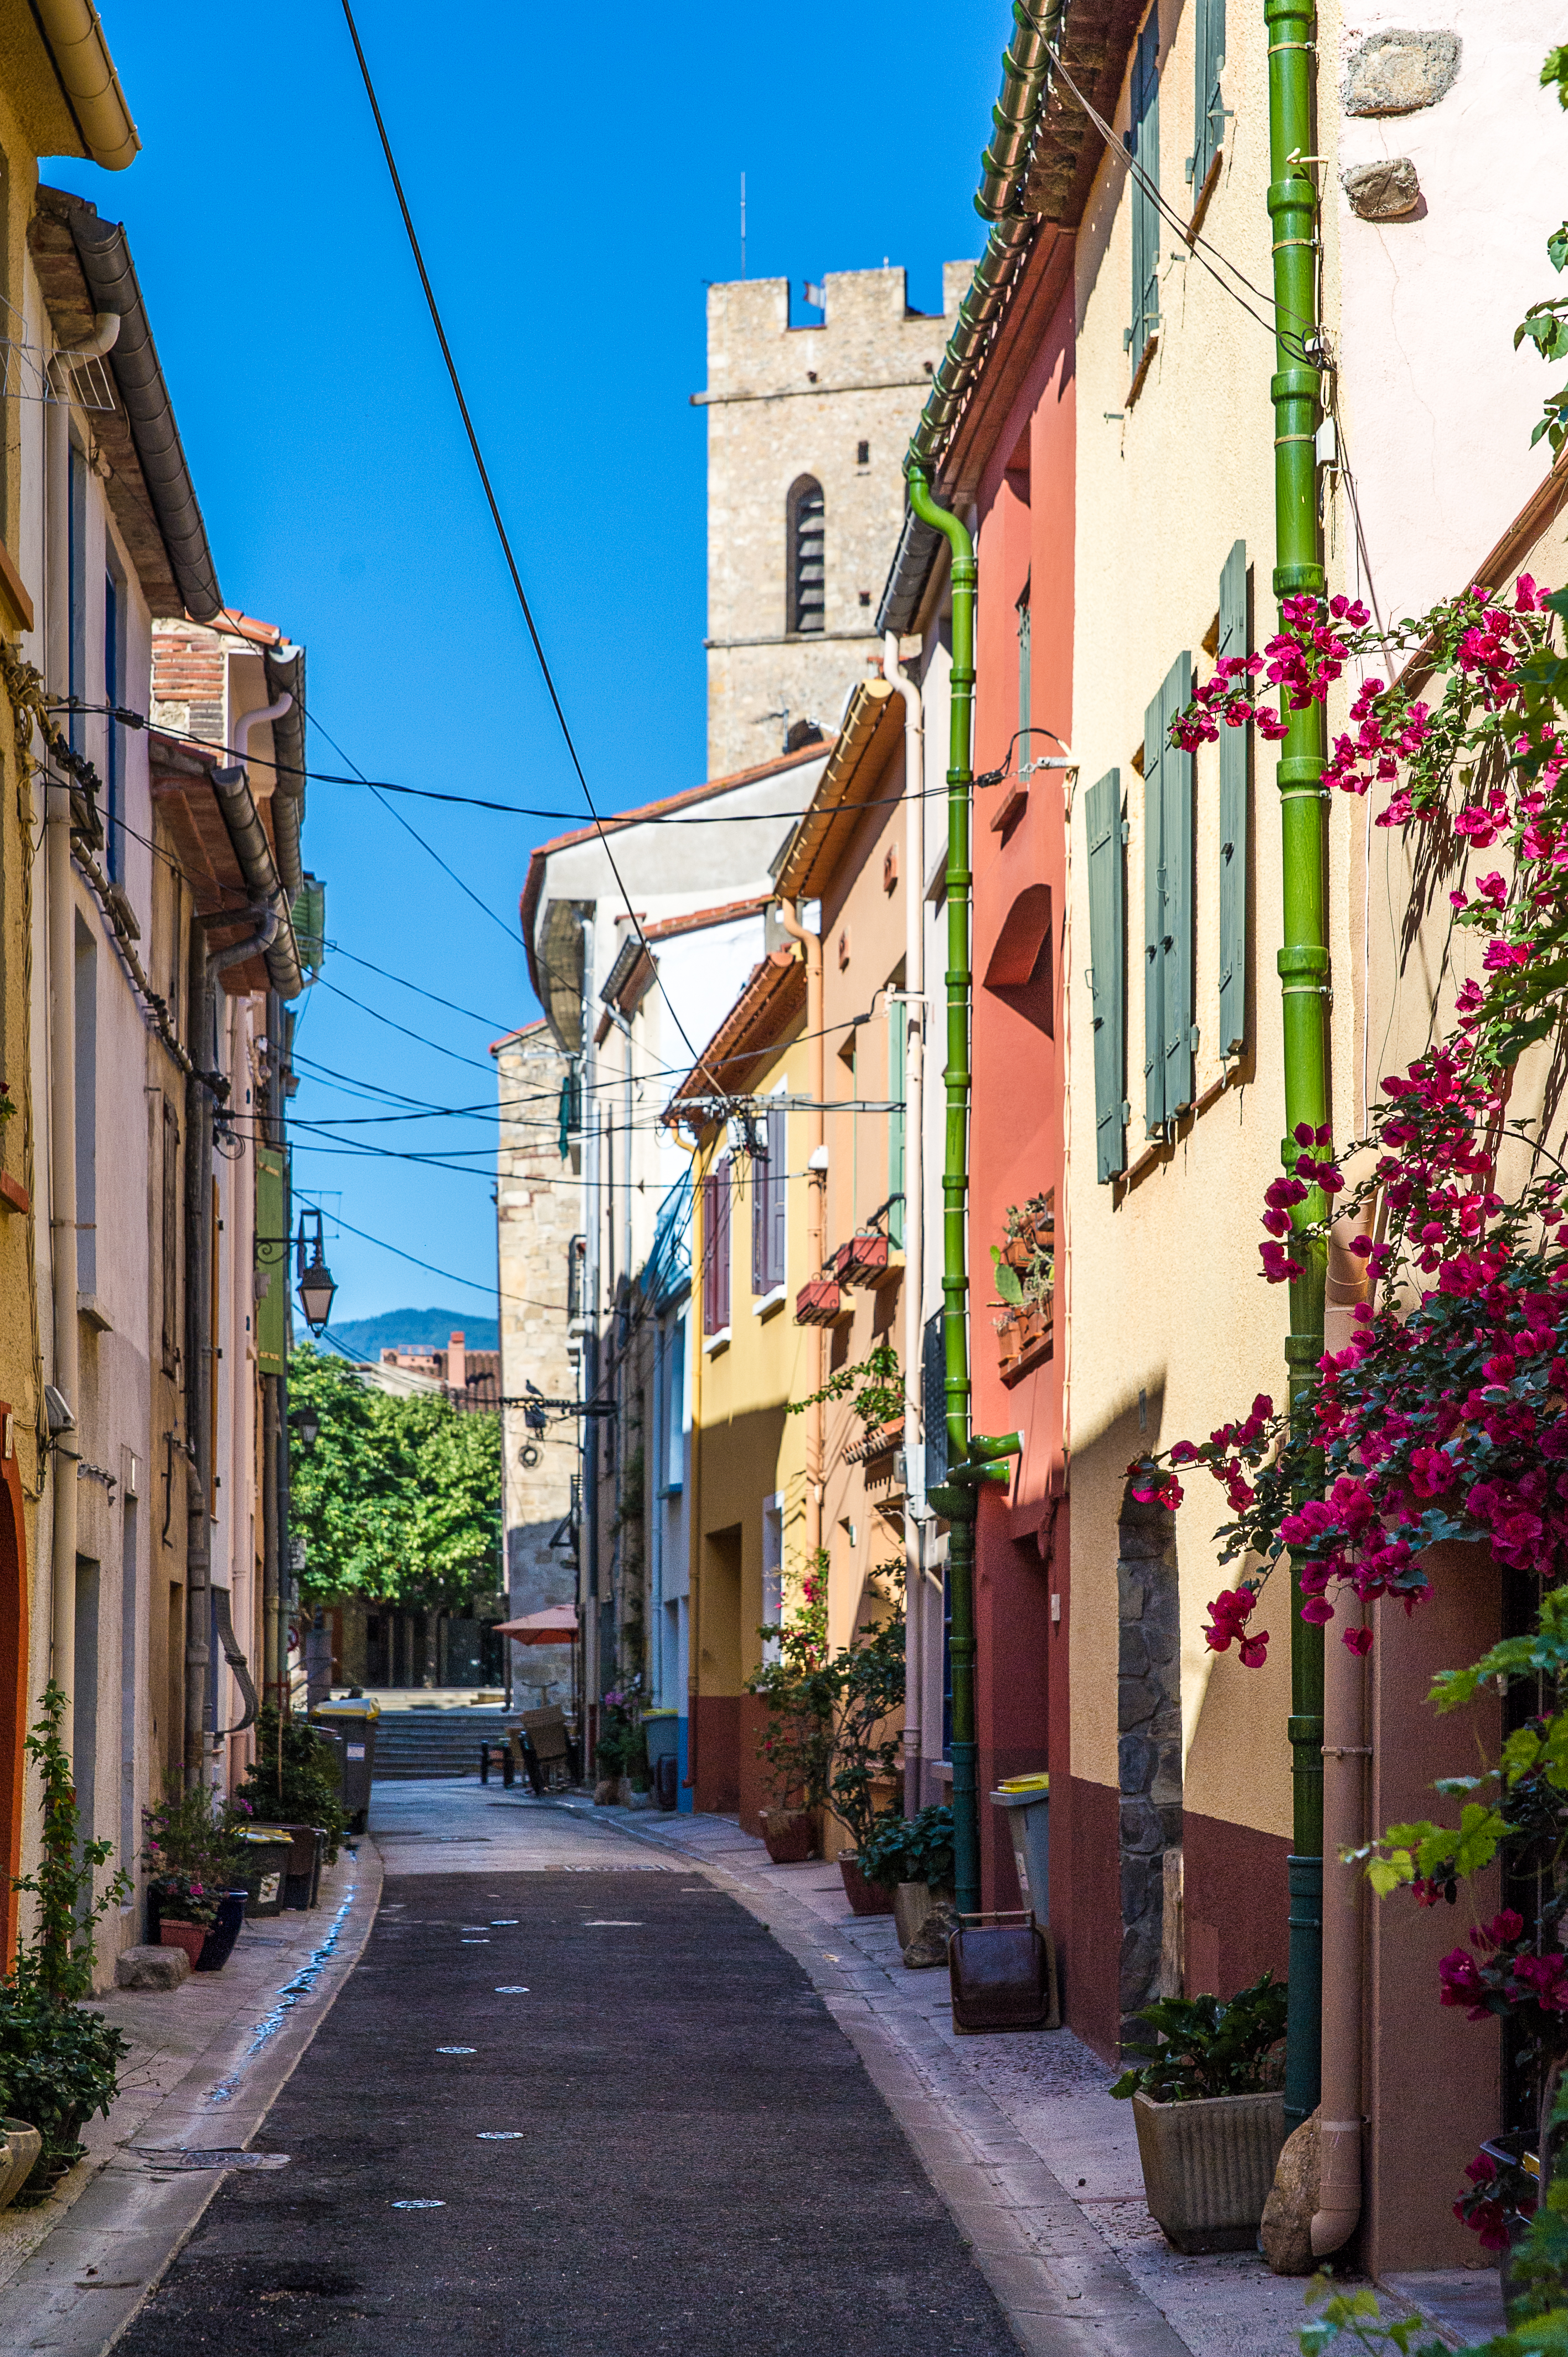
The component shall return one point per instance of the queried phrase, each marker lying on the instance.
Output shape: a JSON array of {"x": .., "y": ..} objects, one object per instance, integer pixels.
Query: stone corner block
[
  {"x": 151, "y": 1968},
  {"x": 1388, "y": 191},
  {"x": 1399, "y": 71}
]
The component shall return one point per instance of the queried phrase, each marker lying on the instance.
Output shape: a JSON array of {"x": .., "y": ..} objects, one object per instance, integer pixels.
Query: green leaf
[{"x": 1008, "y": 1284}]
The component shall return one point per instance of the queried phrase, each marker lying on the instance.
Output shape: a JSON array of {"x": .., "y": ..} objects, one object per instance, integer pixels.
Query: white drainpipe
[{"x": 915, "y": 1510}]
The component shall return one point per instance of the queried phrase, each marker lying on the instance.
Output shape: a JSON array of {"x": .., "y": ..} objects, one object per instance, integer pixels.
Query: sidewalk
[
  {"x": 1037, "y": 2160},
  {"x": 207, "y": 2060}
]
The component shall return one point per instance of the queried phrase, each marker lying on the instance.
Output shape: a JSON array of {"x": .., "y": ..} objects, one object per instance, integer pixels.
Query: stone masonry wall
[
  {"x": 785, "y": 401},
  {"x": 1148, "y": 1743},
  {"x": 538, "y": 1210}
]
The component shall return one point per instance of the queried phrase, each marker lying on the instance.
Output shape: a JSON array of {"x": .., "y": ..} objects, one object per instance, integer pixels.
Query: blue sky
[{"x": 575, "y": 182}]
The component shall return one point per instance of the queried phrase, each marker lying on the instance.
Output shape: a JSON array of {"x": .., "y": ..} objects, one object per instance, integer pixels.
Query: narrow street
[{"x": 573, "y": 2098}]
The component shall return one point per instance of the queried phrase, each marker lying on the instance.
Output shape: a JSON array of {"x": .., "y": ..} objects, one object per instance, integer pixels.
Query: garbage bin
[
  {"x": 301, "y": 1876},
  {"x": 353, "y": 1722},
  {"x": 663, "y": 1730},
  {"x": 267, "y": 1850},
  {"x": 1027, "y": 1800}
]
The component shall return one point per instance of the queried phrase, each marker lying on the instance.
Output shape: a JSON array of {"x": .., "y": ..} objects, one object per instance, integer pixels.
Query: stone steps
[{"x": 434, "y": 1742}]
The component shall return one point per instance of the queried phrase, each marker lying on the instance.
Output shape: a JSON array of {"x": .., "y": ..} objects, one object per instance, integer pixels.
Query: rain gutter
[
  {"x": 103, "y": 251},
  {"x": 254, "y": 852},
  {"x": 285, "y": 668},
  {"x": 73, "y": 33}
]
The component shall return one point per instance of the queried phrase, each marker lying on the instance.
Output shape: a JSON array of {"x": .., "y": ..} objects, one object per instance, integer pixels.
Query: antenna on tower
[{"x": 743, "y": 224}]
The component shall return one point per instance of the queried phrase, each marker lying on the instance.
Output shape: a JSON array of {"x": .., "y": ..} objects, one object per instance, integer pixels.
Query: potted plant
[
  {"x": 867, "y": 1686},
  {"x": 639, "y": 1774},
  {"x": 1025, "y": 1267},
  {"x": 192, "y": 1848},
  {"x": 58, "y": 2062},
  {"x": 913, "y": 1858},
  {"x": 795, "y": 1746},
  {"x": 292, "y": 1779},
  {"x": 1210, "y": 2112}
]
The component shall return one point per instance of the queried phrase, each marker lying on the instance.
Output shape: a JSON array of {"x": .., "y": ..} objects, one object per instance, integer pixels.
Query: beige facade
[
  {"x": 539, "y": 1211},
  {"x": 830, "y": 406}
]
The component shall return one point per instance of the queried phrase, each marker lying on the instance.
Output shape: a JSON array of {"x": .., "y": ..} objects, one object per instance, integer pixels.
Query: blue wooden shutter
[
  {"x": 897, "y": 1027},
  {"x": 777, "y": 1232},
  {"x": 1143, "y": 147},
  {"x": 1235, "y": 638},
  {"x": 1176, "y": 845},
  {"x": 1208, "y": 119},
  {"x": 710, "y": 1246},
  {"x": 1106, "y": 960},
  {"x": 1153, "y": 926}
]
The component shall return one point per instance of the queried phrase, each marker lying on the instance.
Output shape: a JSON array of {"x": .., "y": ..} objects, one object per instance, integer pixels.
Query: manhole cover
[
  {"x": 419, "y": 2205},
  {"x": 217, "y": 2157}
]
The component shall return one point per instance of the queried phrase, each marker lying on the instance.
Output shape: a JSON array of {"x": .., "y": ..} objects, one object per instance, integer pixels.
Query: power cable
[{"x": 496, "y": 516}]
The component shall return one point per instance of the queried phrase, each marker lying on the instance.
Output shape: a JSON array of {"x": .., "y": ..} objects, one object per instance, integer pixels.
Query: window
[
  {"x": 807, "y": 541},
  {"x": 1143, "y": 147},
  {"x": 768, "y": 1207},
  {"x": 897, "y": 1033},
  {"x": 86, "y": 1110},
  {"x": 772, "y": 1572},
  {"x": 715, "y": 1249},
  {"x": 675, "y": 1407},
  {"x": 862, "y": 454},
  {"x": 1235, "y": 744},
  {"x": 1019, "y": 971},
  {"x": 1026, "y": 745},
  {"x": 1208, "y": 114},
  {"x": 113, "y": 693},
  {"x": 1169, "y": 1033},
  {"x": 76, "y": 587},
  {"x": 1107, "y": 971},
  {"x": 169, "y": 1271}
]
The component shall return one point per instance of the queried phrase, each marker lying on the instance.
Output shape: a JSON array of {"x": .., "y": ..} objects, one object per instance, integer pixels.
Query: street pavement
[{"x": 574, "y": 2098}]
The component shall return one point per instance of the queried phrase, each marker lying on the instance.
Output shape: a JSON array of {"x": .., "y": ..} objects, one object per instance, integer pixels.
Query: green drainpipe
[
  {"x": 1303, "y": 959},
  {"x": 955, "y": 1194}
]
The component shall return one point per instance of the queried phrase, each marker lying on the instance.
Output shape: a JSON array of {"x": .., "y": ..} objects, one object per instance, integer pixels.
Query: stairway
[{"x": 434, "y": 1742}]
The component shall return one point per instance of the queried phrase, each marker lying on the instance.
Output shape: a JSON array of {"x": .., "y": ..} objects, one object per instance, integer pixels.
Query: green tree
[{"x": 399, "y": 1497}]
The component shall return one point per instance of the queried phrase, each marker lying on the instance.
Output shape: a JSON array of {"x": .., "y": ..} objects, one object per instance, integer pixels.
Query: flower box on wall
[
  {"x": 819, "y": 1303},
  {"x": 1023, "y": 1336},
  {"x": 866, "y": 1260},
  {"x": 879, "y": 1441}
]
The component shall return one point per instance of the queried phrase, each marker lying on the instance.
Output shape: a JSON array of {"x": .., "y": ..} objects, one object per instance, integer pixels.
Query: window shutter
[
  {"x": 1106, "y": 961},
  {"x": 760, "y": 1171},
  {"x": 710, "y": 1254},
  {"x": 898, "y": 1028},
  {"x": 1154, "y": 925},
  {"x": 1209, "y": 120},
  {"x": 1235, "y": 638},
  {"x": 722, "y": 1195},
  {"x": 1143, "y": 147},
  {"x": 1177, "y": 844},
  {"x": 777, "y": 1231}
]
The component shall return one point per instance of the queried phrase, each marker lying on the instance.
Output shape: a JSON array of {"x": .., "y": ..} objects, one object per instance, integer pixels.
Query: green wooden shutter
[
  {"x": 1180, "y": 880},
  {"x": 1107, "y": 954},
  {"x": 1235, "y": 638},
  {"x": 1143, "y": 147},
  {"x": 1153, "y": 926},
  {"x": 898, "y": 1024},
  {"x": 1208, "y": 119},
  {"x": 272, "y": 1259}
]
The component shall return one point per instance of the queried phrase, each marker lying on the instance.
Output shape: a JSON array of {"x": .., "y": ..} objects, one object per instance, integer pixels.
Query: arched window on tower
[{"x": 806, "y": 532}]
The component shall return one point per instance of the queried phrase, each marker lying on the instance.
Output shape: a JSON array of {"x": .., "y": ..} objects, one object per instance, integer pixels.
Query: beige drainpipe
[
  {"x": 73, "y": 36},
  {"x": 1346, "y": 1755},
  {"x": 816, "y": 1200},
  {"x": 914, "y": 1203},
  {"x": 63, "y": 1239}
]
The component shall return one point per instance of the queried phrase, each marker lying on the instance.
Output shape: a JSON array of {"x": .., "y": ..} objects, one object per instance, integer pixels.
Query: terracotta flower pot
[
  {"x": 191, "y": 1937},
  {"x": 790, "y": 1834},
  {"x": 865, "y": 1898}
]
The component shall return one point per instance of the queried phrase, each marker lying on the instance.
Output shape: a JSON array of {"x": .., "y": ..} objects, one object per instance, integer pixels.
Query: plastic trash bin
[
  {"x": 353, "y": 1722},
  {"x": 663, "y": 1730},
  {"x": 267, "y": 1850},
  {"x": 1027, "y": 1800}
]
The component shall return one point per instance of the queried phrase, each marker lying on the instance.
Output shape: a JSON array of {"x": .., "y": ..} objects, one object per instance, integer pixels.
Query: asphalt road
[{"x": 660, "y": 2141}]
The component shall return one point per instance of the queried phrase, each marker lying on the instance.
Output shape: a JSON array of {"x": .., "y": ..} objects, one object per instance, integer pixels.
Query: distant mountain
[{"x": 422, "y": 1330}]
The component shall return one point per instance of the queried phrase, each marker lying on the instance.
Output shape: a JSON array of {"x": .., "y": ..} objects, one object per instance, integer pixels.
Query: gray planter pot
[
  {"x": 18, "y": 2156},
  {"x": 1208, "y": 2166}
]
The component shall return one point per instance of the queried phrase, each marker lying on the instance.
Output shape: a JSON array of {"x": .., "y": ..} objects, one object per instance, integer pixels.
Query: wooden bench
[{"x": 542, "y": 1748}]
